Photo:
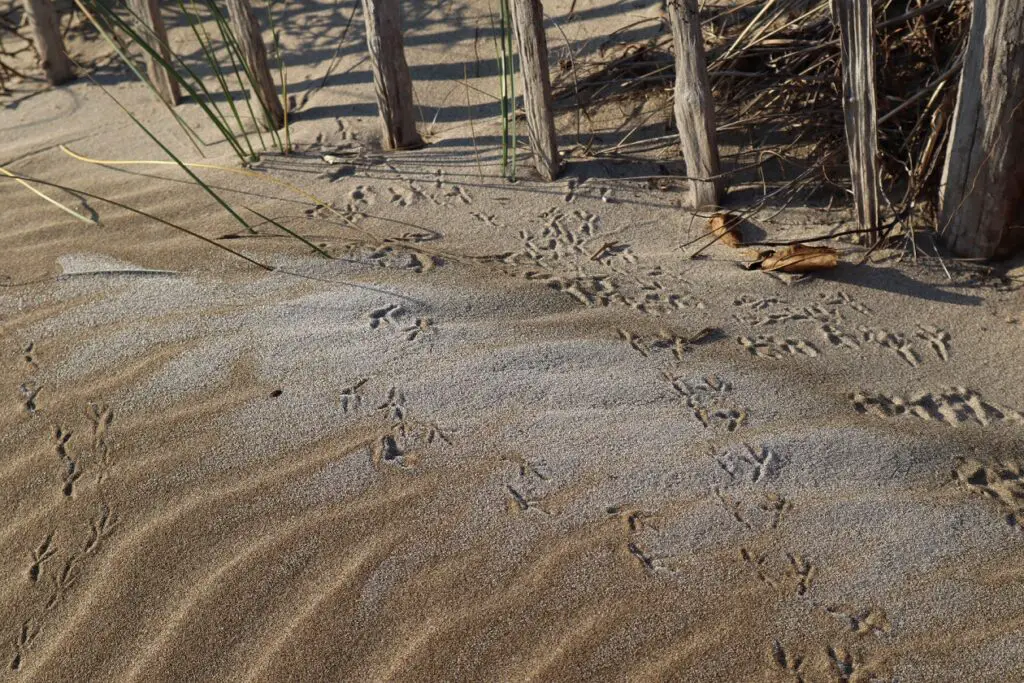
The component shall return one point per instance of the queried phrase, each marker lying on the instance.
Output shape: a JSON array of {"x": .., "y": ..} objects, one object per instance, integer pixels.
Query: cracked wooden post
[
  {"x": 49, "y": 45},
  {"x": 857, "y": 46},
  {"x": 254, "y": 53},
  {"x": 148, "y": 13},
  {"x": 694, "y": 105},
  {"x": 528, "y": 22},
  {"x": 981, "y": 198},
  {"x": 391, "y": 74}
]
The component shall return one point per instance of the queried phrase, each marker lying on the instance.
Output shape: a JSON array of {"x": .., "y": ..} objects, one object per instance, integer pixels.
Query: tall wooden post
[
  {"x": 391, "y": 73},
  {"x": 694, "y": 106},
  {"x": 254, "y": 53},
  {"x": 528, "y": 21},
  {"x": 148, "y": 12},
  {"x": 42, "y": 16},
  {"x": 857, "y": 45},
  {"x": 981, "y": 199}
]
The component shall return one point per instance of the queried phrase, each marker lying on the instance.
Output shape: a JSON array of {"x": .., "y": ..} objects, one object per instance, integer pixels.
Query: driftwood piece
[
  {"x": 856, "y": 31},
  {"x": 254, "y": 53},
  {"x": 981, "y": 198},
  {"x": 49, "y": 45},
  {"x": 391, "y": 74},
  {"x": 148, "y": 12},
  {"x": 528, "y": 21},
  {"x": 694, "y": 105}
]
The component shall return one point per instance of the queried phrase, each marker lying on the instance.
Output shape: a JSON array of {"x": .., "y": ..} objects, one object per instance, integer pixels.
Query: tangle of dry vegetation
[{"x": 775, "y": 72}]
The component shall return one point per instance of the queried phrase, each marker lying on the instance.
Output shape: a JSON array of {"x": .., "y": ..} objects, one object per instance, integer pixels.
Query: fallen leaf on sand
[
  {"x": 724, "y": 226},
  {"x": 800, "y": 258}
]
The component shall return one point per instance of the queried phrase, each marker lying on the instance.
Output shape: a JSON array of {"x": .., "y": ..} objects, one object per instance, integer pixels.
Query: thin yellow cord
[
  {"x": 215, "y": 167},
  {"x": 48, "y": 198},
  {"x": 251, "y": 174}
]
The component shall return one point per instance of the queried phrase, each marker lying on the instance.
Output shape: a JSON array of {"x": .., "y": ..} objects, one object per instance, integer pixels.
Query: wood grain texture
[
  {"x": 42, "y": 17},
  {"x": 148, "y": 12},
  {"x": 981, "y": 198},
  {"x": 856, "y": 21},
  {"x": 528, "y": 21},
  {"x": 391, "y": 74},
  {"x": 694, "y": 105},
  {"x": 254, "y": 52}
]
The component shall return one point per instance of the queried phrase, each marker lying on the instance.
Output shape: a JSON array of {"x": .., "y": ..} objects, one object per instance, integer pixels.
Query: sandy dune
[{"x": 509, "y": 432}]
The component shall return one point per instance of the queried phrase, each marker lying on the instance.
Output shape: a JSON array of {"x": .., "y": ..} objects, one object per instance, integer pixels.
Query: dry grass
[{"x": 775, "y": 71}]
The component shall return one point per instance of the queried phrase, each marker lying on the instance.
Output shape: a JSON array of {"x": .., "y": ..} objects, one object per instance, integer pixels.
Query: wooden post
[
  {"x": 857, "y": 45},
  {"x": 391, "y": 74},
  {"x": 148, "y": 12},
  {"x": 981, "y": 199},
  {"x": 42, "y": 16},
  {"x": 254, "y": 53},
  {"x": 528, "y": 21},
  {"x": 694, "y": 106}
]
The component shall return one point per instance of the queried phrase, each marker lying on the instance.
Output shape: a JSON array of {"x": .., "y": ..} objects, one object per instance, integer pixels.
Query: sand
[{"x": 509, "y": 432}]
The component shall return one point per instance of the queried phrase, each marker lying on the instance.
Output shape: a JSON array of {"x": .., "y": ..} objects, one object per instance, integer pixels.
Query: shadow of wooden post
[
  {"x": 694, "y": 105},
  {"x": 49, "y": 45},
  {"x": 254, "y": 54},
  {"x": 528, "y": 22},
  {"x": 391, "y": 74},
  {"x": 981, "y": 198},
  {"x": 148, "y": 12},
  {"x": 855, "y": 19}
]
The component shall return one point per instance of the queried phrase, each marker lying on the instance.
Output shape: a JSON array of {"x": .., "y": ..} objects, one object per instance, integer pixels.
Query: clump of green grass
[
  {"x": 112, "y": 20},
  {"x": 507, "y": 89}
]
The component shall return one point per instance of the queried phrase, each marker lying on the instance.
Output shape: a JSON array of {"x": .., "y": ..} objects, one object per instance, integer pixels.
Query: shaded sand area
[{"x": 509, "y": 432}]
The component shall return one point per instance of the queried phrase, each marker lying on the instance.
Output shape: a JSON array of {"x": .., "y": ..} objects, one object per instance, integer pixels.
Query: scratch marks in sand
[
  {"x": 774, "y": 347},
  {"x": 1003, "y": 482},
  {"x": 639, "y": 523},
  {"x": 951, "y": 406},
  {"x": 402, "y": 439},
  {"x": 29, "y": 392},
  {"x": 100, "y": 417},
  {"x": 666, "y": 340},
  {"x": 529, "y": 484},
  {"x": 71, "y": 469},
  {"x": 830, "y": 315},
  {"x": 40, "y": 555}
]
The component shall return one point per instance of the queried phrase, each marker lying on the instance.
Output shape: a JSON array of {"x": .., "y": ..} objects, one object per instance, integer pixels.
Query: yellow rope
[
  {"x": 48, "y": 198},
  {"x": 215, "y": 167}
]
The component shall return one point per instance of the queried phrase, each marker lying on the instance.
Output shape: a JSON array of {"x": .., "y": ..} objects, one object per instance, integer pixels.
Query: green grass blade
[
  {"x": 145, "y": 215},
  {"x": 293, "y": 234},
  {"x": 232, "y": 42},
  {"x": 208, "y": 54},
  {"x": 191, "y": 134},
  {"x": 183, "y": 166},
  {"x": 135, "y": 37},
  {"x": 227, "y": 36}
]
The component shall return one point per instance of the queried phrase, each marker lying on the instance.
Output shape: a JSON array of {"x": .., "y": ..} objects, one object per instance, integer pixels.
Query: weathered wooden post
[
  {"x": 148, "y": 12},
  {"x": 528, "y": 22},
  {"x": 694, "y": 106},
  {"x": 254, "y": 53},
  {"x": 42, "y": 16},
  {"x": 857, "y": 46},
  {"x": 981, "y": 199},
  {"x": 391, "y": 74}
]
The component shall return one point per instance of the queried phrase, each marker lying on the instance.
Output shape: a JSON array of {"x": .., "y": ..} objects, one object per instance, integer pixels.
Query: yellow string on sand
[
  {"x": 250, "y": 174},
  {"x": 214, "y": 167},
  {"x": 48, "y": 198}
]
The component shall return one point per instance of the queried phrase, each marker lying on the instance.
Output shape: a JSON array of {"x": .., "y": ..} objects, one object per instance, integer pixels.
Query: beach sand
[{"x": 510, "y": 432}]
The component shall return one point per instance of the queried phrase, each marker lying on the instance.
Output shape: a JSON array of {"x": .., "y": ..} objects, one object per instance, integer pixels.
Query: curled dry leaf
[
  {"x": 725, "y": 227},
  {"x": 800, "y": 258}
]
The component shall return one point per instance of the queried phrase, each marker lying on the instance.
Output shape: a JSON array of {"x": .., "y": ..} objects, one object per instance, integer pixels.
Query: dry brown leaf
[
  {"x": 725, "y": 226},
  {"x": 800, "y": 258}
]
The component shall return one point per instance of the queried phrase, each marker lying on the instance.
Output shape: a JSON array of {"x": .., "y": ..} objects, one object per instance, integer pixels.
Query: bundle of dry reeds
[{"x": 775, "y": 71}]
